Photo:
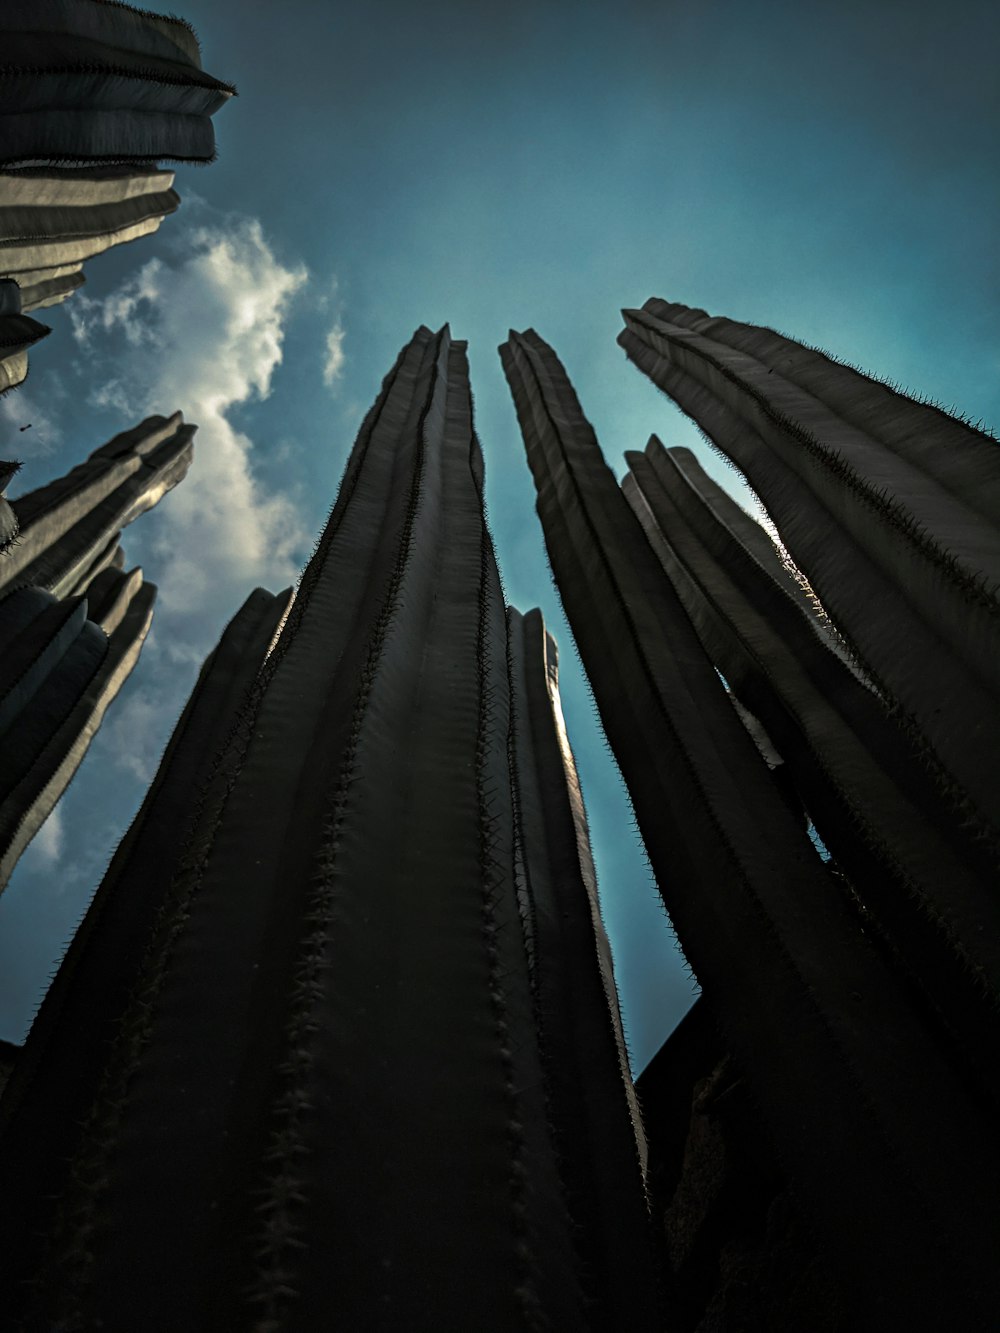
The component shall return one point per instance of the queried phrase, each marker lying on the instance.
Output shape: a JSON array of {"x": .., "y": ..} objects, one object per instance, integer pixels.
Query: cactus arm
[
  {"x": 59, "y": 1073},
  {"x": 861, "y": 782},
  {"x": 49, "y": 236},
  {"x": 590, "y": 1090},
  {"x": 69, "y": 527},
  {"x": 903, "y": 573},
  {"x": 103, "y": 82},
  {"x": 960, "y": 458},
  {"x": 32, "y": 650},
  {"x": 758, "y": 916},
  {"x": 28, "y": 805}
]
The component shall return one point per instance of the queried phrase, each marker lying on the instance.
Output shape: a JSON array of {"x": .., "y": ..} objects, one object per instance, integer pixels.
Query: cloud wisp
[
  {"x": 205, "y": 334},
  {"x": 203, "y": 330},
  {"x": 333, "y": 366}
]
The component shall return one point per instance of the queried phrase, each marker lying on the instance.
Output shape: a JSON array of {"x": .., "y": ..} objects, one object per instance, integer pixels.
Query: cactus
[
  {"x": 69, "y": 528},
  {"x": 78, "y": 1019},
  {"x": 915, "y": 869},
  {"x": 327, "y": 1022},
  {"x": 60, "y": 669},
  {"x": 103, "y": 82},
  {"x": 848, "y": 1076},
  {"x": 591, "y": 1097},
  {"x": 18, "y": 332},
  {"x": 64, "y": 661},
  {"x": 52, "y": 221},
  {"x": 889, "y": 508}
]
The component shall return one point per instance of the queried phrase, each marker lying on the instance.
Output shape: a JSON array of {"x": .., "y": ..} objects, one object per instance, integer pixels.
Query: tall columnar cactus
[
  {"x": 79, "y": 1018},
  {"x": 18, "y": 333},
  {"x": 101, "y": 81},
  {"x": 327, "y": 1098},
  {"x": 890, "y": 507},
  {"x": 590, "y": 1089},
  {"x": 53, "y": 220},
  {"x": 916, "y": 869},
  {"x": 69, "y": 529},
  {"x": 61, "y": 664},
  {"x": 892, "y": 1156}
]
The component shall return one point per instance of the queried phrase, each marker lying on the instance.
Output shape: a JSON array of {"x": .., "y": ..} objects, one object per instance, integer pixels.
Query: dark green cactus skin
[
  {"x": 327, "y": 1069},
  {"x": 70, "y": 527},
  {"x": 861, "y": 1103},
  {"x": 103, "y": 82},
  {"x": 79, "y": 1018},
  {"x": 915, "y": 868},
  {"x": 591, "y": 1098},
  {"x": 889, "y": 508},
  {"x": 61, "y": 666}
]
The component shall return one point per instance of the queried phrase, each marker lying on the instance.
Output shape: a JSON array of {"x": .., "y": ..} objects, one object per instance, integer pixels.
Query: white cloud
[
  {"x": 204, "y": 334},
  {"x": 129, "y": 308},
  {"x": 202, "y": 331},
  {"x": 132, "y": 732},
  {"x": 334, "y": 365},
  {"x": 46, "y": 846}
]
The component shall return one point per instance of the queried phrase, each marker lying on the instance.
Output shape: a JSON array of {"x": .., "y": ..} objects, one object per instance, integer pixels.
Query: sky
[{"x": 829, "y": 171}]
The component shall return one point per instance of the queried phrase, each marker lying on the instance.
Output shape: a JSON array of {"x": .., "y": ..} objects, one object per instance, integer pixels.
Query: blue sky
[{"x": 829, "y": 171}]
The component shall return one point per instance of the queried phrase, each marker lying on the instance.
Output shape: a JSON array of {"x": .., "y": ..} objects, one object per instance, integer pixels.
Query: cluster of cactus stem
[
  {"x": 858, "y": 997},
  {"x": 343, "y": 1005},
  {"x": 890, "y": 508},
  {"x": 69, "y": 529},
  {"x": 72, "y": 619}
]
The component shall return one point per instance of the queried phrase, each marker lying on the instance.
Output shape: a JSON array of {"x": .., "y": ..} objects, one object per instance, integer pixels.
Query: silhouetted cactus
[
  {"x": 60, "y": 667},
  {"x": 861, "y": 1103},
  {"x": 592, "y": 1100},
  {"x": 103, "y": 82},
  {"x": 888, "y": 506},
  {"x": 930, "y": 888},
  {"x": 69, "y": 529},
  {"x": 325, "y": 1061}
]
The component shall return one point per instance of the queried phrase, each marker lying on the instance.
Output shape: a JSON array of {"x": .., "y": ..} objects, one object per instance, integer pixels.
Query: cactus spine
[{"x": 861, "y": 781}]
